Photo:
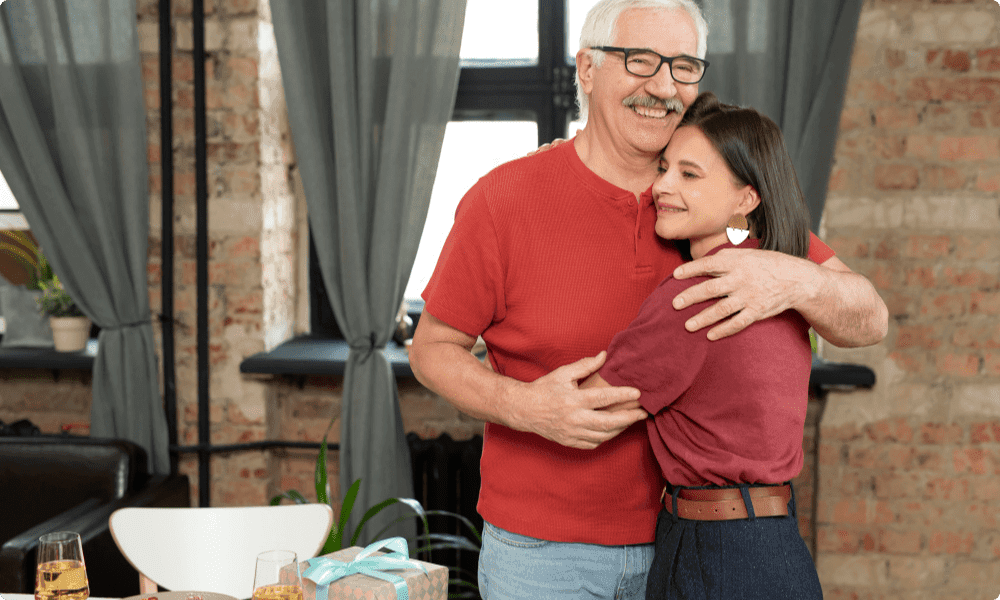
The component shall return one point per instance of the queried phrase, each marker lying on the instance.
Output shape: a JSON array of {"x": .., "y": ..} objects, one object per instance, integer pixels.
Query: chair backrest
[{"x": 215, "y": 549}]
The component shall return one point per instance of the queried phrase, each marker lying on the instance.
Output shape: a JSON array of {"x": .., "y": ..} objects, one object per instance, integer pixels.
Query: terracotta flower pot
[{"x": 70, "y": 334}]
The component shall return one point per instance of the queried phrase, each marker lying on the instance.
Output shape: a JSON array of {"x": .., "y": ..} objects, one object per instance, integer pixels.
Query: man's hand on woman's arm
[
  {"x": 841, "y": 305},
  {"x": 552, "y": 406}
]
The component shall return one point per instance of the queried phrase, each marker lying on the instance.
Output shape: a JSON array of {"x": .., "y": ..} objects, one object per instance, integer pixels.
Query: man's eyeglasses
[{"x": 646, "y": 63}]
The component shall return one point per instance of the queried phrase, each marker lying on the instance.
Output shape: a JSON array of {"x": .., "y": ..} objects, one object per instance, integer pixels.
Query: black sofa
[{"x": 72, "y": 483}]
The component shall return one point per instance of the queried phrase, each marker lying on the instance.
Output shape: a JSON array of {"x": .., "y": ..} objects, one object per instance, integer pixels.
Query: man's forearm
[
  {"x": 552, "y": 406},
  {"x": 459, "y": 377},
  {"x": 845, "y": 309}
]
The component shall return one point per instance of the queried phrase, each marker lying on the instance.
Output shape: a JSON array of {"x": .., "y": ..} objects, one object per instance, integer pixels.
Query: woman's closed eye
[{"x": 689, "y": 175}]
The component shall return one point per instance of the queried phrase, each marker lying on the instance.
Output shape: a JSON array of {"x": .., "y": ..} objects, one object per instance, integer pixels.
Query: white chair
[{"x": 214, "y": 549}]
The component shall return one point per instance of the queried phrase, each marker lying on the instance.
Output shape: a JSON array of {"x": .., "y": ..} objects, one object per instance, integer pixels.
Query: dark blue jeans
[{"x": 763, "y": 558}]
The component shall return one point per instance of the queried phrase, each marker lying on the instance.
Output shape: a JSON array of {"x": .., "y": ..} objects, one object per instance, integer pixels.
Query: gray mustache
[{"x": 650, "y": 102}]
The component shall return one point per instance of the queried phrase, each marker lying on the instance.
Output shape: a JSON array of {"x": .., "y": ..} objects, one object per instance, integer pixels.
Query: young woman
[{"x": 726, "y": 416}]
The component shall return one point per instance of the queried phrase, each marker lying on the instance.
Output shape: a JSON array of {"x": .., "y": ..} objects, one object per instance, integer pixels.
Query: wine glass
[
  {"x": 277, "y": 577},
  {"x": 61, "y": 574}
]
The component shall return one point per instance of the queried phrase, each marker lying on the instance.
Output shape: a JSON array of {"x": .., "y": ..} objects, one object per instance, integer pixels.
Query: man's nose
[{"x": 662, "y": 85}]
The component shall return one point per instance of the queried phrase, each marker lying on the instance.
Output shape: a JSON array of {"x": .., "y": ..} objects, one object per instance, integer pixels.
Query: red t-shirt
[
  {"x": 724, "y": 412},
  {"x": 547, "y": 261}
]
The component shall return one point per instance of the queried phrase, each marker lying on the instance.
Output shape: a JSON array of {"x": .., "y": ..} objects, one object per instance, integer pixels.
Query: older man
[{"x": 549, "y": 257}]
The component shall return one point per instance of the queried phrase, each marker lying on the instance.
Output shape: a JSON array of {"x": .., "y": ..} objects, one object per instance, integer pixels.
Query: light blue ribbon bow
[{"x": 325, "y": 571}]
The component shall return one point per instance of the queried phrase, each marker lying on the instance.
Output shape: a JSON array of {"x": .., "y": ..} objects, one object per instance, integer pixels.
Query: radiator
[{"x": 446, "y": 477}]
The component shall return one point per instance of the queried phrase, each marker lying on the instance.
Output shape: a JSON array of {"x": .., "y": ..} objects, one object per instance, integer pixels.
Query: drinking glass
[
  {"x": 61, "y": 574},
  {"x": 277, "y": 576}
]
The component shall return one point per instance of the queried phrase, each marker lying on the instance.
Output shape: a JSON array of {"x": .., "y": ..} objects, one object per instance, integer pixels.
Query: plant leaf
[
  {"x": 461, "y": 518},
  {"x": 463, "y": 583},
  {"x": 321, "y": 495},
  {"x": 337, "y": 536},
  {"x": 293, "y": 495},
  {"x": 369, "y": 514},
  {"x": 333, "y": 539},
  {"x": 399, "y": 519},
  {"x": 415, "y": 506}
]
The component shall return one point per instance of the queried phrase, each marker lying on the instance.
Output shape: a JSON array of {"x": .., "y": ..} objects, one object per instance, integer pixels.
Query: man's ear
[{"x": 585, "y": 69}]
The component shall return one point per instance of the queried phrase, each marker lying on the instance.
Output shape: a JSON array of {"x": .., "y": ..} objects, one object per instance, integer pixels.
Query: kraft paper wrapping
[{"x": 430, "y": 586}]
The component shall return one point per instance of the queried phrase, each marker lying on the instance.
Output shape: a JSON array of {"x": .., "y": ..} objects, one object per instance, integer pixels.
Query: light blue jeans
[{"x": 518, "y": 567}]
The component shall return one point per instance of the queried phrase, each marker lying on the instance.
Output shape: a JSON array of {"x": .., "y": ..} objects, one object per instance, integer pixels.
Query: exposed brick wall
[
  {"x": 49, "y": 399},
  {"x": 247, "y": 216},
  {"x": 908, "y": 498}
]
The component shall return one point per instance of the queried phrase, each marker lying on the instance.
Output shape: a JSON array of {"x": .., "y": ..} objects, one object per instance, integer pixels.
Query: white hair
[{"x": 601, "y": 29}]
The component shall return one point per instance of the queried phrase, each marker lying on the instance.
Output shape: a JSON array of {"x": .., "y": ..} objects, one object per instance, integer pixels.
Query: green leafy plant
[
  {"x": 426, "y": 542},
  {"x": 55, "y": 302}
]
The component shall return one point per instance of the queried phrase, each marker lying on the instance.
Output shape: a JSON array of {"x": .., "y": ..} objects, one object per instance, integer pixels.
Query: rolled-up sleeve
[{"x": 655, "y": 354}]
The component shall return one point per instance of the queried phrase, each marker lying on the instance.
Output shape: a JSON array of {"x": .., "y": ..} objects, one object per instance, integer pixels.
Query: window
[
  {"x": 458, "y": 170},
  {"x": 10, "y": 218},
  {"x": 516, "y": 91}
]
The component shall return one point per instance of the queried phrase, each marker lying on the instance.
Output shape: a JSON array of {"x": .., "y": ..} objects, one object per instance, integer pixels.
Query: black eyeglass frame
[{"x": 663, "y": 59}]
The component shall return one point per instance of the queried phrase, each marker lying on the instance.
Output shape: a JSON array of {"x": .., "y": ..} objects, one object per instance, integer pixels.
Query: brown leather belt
[{"x": 723, "y": 504}]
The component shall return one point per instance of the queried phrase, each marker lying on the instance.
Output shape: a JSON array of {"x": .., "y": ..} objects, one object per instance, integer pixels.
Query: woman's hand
[{"x": 548, "y": 146}]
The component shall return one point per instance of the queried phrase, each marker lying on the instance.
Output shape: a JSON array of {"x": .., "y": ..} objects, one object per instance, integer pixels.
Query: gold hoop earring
[{"x": 737, "y": 229}]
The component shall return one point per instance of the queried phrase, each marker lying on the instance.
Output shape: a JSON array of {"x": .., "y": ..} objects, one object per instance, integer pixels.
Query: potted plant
[{"x": 70, "y": 327}]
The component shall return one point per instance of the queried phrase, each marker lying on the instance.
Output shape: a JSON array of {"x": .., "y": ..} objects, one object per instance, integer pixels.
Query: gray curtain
[
  {"x": 370, "y": 87},
  {"x": 73, "y": 150},
  {"x": 789, "y": 59}
]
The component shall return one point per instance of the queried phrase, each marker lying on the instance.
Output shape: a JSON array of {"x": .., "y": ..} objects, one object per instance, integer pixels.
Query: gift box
[{"x": 372, "y": 573}]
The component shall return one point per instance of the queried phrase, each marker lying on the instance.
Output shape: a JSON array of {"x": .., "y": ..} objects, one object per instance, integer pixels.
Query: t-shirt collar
[{"x": 593, "y": 180}]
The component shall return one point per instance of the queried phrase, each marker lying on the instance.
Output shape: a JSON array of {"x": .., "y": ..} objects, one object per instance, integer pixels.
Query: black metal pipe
[
  {"x": 261, "y": 445},
  {"x": 167, "y": 227},
  {"x": 552, "y": 18},
  {"x": 201, "y": 249}
]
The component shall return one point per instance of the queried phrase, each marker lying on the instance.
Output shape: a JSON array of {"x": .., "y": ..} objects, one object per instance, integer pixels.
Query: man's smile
[
  {"x": 653, "y": 108},
  {"x": 653, "y": 113}
]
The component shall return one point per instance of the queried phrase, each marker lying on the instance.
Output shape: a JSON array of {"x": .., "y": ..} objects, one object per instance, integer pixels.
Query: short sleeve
[
  {"x": 655, "y": 354},
  {"x": 819, "y": 252},
  {"x": 466, "y": 290}
]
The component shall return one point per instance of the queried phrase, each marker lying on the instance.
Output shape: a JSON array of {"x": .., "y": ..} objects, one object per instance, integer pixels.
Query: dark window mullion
[
  {"x": 552, "y": 27},
  {"x": 476, "y": 76},
  {"x": 551, "y": 33}
]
